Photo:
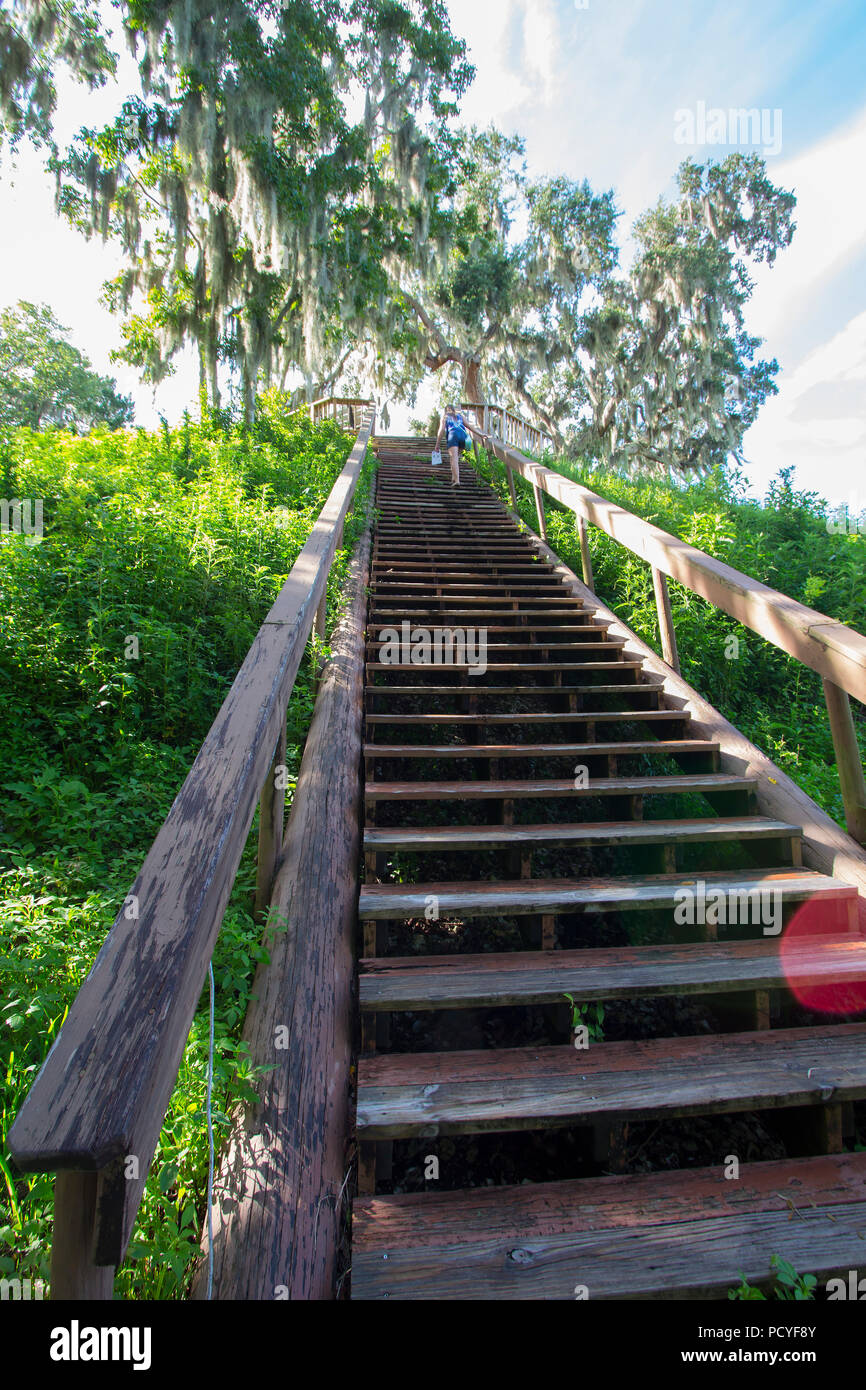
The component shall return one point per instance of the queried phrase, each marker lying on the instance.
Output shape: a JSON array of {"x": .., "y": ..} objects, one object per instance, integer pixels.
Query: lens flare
[{"x": 813, "y": 945}]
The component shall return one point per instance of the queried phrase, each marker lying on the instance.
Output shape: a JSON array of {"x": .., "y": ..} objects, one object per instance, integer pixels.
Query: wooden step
[
  {"x": 623, "y": 688},
  {"x": 671, "y": 746},
  {"x": 527, "y": 634},
  {"x": 447, "y": 838},
  {"x": 528, "y": 896},
  {"x": 497, "y": 667},
  {"x": 625, "y": 972},
  {"x": 555, "y": 717},
  {"x": 401, "y": 1095},
  {"x": 700, "y": 782},
  {"x": 494, "y": 650},
  {"x": 656, "y": 1235}
]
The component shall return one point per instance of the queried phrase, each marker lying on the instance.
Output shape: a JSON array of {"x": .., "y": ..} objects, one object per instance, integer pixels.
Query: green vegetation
[
  {"x": 44, "y": 380},
  {"x": 588, "y": 1016},
  {"x": 120, "y": 634},
  {"x": 790, "y": 1286},
  {"x": 784, "y": 542}
]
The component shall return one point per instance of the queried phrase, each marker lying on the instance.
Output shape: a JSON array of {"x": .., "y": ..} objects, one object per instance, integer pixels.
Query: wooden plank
[
  {"x": 604, "y": 1204},
  {"x": 495, "y": 667},
  {"x": 625, "y": 972},
  {"x": 73, "y": 1272},
  {"x": 415, "y": 839},
  {"x": 536, "y": 750},
  {"x": 277, "y": 1207},
  {"x": 684, "y": 1259},
  {"x": 623, "y": 688},
  {"x": 848, "y": 760},
  {"x": 519, "y": 897},
  {"x": 700, "y": 782},
  {"x": 666, "y": 620},
  {"x": 508, "y": 1089},
  {"x": 103, "y": 1090},
  {"x": 569, "y": 717}
]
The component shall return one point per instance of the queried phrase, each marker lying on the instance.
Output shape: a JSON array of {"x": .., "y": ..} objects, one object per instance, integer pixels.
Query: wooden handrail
[
  {"x": 96, "y": 1108},
  {"x": 835, "y": 651},
  {"x": 513, "y": 429}
]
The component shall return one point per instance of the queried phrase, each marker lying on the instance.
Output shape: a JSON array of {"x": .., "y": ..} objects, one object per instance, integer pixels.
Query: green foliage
[
  {"x": 790, "y": 1286},
  {"x": 784, "y": 542},
  {"x": 44, "y": 380},
  {"x": 35, "y": 37},
  {"x": 588, "y": 1016},
  {"x": 181, "y": 538}
]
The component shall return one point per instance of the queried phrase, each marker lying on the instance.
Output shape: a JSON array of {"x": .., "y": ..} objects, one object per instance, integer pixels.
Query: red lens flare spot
[{"x": 821, "y": 962}]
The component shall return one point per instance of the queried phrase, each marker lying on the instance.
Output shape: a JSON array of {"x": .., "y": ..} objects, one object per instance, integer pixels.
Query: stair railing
[{"x": 835, "y": 651}]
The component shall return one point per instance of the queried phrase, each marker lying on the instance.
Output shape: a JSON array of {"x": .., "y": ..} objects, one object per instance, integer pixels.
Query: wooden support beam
[
  {"x": 539, "y": 510},
  {"x": 666, "y": 620},
  {"x": 585, "y": 557},
  {"x": 848, "y": 760},
  {"x": 73, "y": 1273},
  {"x": 271, "y": 812}
]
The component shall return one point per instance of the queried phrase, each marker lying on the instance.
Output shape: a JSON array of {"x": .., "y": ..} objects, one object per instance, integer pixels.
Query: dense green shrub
[{"x": 174, "y": 543}]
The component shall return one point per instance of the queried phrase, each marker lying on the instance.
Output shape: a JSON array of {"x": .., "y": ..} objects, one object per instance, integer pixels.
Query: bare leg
[{"x": 455, "y": 464}]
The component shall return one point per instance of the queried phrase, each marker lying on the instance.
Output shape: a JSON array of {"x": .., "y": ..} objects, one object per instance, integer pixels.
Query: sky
[{"x": 611, "y": 90}]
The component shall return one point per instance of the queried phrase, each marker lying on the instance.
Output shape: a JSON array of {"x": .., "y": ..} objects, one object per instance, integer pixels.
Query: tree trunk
[{"x": 472, "y": 381}]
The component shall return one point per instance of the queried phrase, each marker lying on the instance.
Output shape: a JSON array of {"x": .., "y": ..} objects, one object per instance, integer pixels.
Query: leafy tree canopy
[
  {"x": 44, "y": 380},
  {"x": 292, "y": 191}
]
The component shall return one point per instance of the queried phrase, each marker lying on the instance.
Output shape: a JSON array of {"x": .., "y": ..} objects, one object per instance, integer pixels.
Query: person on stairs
[{"x": 453, "y": 426}]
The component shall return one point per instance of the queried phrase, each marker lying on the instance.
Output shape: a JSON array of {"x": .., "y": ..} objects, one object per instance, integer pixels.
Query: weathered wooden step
[
  {"x": 532, "y": 638},
  {"x": 562, "y": 650},
  {"x": 625, "y": 972},
  {"x": 555, "y": 717},
  {"x": 539, "y": 750},
  {"x": 401, "y": 1095},
  {"x": 438, "y": 838},
  {"x": 650, "y": 1235},
  {"x": 700, "y": 782},
  {"x": 495, "y": 667},
  {"x": 623, "y": 688},
  {"x": 528, "y": 896}
]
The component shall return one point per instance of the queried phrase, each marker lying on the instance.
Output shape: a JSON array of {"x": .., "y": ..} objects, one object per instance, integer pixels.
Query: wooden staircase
[{"x": 562, "y": 800}]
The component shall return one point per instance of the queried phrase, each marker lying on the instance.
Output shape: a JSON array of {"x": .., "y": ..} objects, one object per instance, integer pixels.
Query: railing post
[
  {"x": 511, "y": 488},
  {"x": 585, "y": 557},
  {"x": 322, "y": 614},
  {"x": 848, "y": 759},
  {"x": 539, "y": 508},
  {"x": 73, "y": 1273},
  {"x": 272, "y": 807},
  {"x": 666, "y": 620}
]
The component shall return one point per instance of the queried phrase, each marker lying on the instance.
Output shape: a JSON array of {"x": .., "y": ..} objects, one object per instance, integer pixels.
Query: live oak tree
[
  {"x": 256, "y": 208},
  {"x": 671, "y": 373},
  {"x": 45, "y": 381},
  {"x": 37, "y": 36},
  {"x": 650, "y": 367}
]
